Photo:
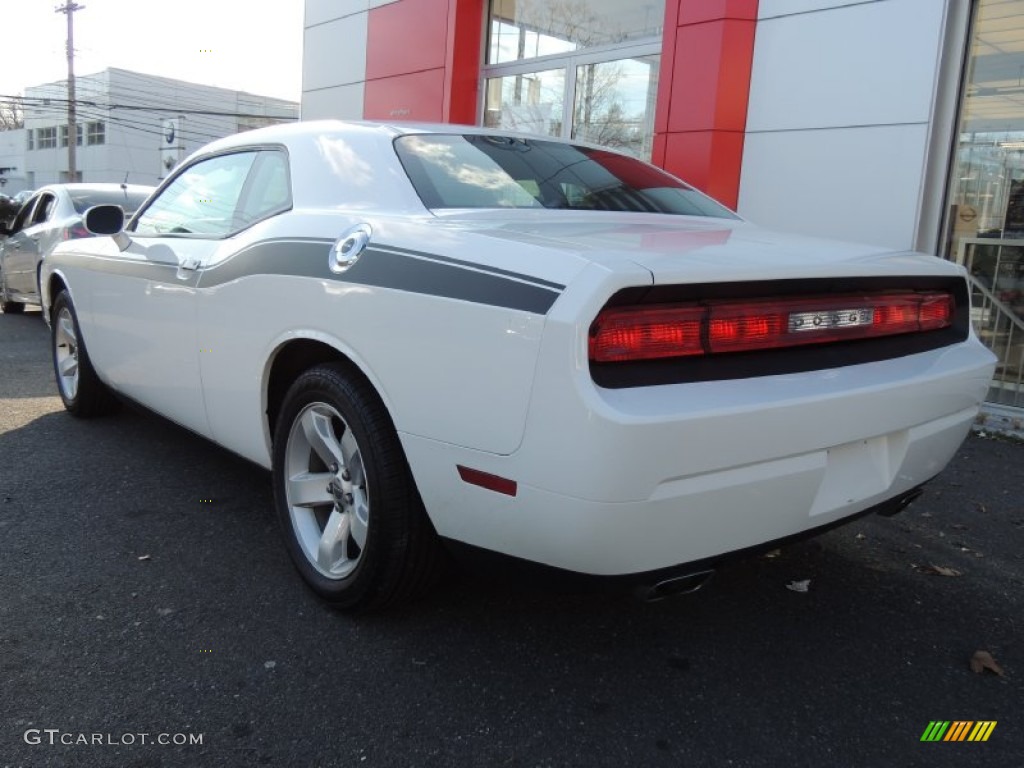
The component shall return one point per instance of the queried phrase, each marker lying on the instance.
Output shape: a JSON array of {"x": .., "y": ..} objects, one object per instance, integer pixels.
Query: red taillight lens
[
  {"x": 622, "y": 334},
  {"x": 646, "y": 334},
  {"x": 734, "y": 328},
  {"x": 75, "y": 231},
  {"x": 936, "y": 311}
]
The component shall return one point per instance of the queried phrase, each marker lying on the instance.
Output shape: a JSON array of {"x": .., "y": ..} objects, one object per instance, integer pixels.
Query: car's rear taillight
[
  {"x": 622, "y": 334},
  {"x": 76, "y": 231},
  {"x": 647, "y": 334}
]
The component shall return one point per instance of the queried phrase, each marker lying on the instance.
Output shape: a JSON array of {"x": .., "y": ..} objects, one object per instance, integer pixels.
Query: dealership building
[{"x": 898, "y": 123}]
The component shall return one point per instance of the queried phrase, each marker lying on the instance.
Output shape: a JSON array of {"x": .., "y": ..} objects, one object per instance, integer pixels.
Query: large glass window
[
  {"x": 985, "y": 213},
  {"x": 614, "y": 104},
  {"x": 524, "y": 29},
  {"x": 584, "y": 69},
  {"x": 529, "y": 103}
]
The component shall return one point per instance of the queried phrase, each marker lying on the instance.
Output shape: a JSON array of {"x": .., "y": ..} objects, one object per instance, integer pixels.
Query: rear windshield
[
  {"x": 473, "y": 171},
  {"x": 85, "y": 199}
]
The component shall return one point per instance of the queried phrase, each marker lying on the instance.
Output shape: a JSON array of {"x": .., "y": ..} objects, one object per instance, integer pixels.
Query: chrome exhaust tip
[
  {"x": 900, "y": 503},
  {"x": 678, "y": 585}
]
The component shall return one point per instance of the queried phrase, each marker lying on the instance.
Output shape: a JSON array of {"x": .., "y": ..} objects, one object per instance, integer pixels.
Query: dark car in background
[{"x": 52, "y": 215}]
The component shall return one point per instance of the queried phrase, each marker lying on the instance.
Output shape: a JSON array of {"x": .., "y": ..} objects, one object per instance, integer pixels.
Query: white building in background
[
  {"x": 12, "y": 162},
  {"x": 133, "y": 126}
]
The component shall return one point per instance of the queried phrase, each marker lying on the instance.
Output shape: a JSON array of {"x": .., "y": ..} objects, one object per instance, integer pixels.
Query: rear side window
[
  {"x": 480, "y": 171},
  {"x": 268, "y": 190}
]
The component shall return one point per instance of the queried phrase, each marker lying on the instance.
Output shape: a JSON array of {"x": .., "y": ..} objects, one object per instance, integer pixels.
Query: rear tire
[
  {"x": 81, "y": 390},
  {"x": 352, "y": 519}
]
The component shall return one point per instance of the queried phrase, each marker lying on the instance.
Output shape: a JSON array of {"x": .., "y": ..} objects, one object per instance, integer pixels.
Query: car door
[
  {"x": 22, "y": 248},
  {"x": 231, "y": 364},
  {"x": 36, "y": 239},
  {"x": 144, "y": 305}
]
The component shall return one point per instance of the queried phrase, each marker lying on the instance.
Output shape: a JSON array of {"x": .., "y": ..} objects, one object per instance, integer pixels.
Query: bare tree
[{"x": 12, "y": 114}]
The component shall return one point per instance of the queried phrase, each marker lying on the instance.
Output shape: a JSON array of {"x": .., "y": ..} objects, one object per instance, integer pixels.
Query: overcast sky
[{"x": 253, "y": 46}]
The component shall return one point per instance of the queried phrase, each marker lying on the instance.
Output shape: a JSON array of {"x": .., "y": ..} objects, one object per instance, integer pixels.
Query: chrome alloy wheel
[
  {"x": 326, "y": 490},
  {"x": 66, "y": 353}
]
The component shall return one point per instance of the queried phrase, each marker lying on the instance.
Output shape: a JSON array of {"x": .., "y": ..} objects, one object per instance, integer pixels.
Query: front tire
[
  {"x": 352, "y": 519},
  {"x": 80, "y": 389}
]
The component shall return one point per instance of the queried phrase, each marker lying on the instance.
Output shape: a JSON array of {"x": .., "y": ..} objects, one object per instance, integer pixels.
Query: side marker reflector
[{"x": 487, "y": 480}]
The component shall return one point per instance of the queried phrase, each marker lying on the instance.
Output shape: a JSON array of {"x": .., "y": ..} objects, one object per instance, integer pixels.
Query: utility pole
[{"x": 68, "y": 9}]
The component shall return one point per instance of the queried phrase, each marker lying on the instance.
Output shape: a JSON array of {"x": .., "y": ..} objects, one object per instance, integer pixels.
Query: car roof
[
  {"x": 95, "y": 187},
  {"x": 285, "y": 132}
]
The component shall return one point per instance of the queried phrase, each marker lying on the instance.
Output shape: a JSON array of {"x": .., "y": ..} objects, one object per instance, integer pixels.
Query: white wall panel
[
  {"x": 859, "y": 184},
  {"x": 319, "y": 11},
  {"x": 334, "y": 53},
  {"x": 767, "y": 9},
  {"x": 343, "y": 101},
  {"x": 868, "y": 64}
]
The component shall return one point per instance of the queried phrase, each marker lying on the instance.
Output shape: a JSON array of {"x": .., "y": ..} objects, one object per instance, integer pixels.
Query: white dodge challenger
[{"x": 550, "y": 351}]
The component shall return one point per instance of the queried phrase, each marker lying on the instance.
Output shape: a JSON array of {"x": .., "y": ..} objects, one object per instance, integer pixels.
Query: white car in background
[
  {"x": 50, "y": 216},
  {"x": 551, "y": 351}
]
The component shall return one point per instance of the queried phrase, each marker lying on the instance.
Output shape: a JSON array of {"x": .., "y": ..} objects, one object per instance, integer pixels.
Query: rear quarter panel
[{"x": 453, "y": 370}]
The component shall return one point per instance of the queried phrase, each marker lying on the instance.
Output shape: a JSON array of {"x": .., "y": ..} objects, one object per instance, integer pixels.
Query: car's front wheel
[
  {"x": 351, "y": 516},
  {"x": 81, "y": 390}
]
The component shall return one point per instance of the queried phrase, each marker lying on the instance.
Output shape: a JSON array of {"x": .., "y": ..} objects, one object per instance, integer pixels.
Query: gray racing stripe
[
  {"x": 471, "y": 265},
  {"x": 387, "y": 267}
]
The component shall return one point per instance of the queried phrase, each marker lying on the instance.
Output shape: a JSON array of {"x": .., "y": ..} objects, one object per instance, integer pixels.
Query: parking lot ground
[{"x": 144, "y": 589}]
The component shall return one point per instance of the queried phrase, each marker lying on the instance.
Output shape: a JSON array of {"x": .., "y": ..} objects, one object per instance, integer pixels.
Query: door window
[
  {"x": 202, "y": 200},
  {"x": 23, "y": 215}
]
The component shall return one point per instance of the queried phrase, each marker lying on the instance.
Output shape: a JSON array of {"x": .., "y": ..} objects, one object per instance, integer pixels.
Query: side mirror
[
  {"x": 107, "y": 220},
  {"x": 104, "y": 219}
]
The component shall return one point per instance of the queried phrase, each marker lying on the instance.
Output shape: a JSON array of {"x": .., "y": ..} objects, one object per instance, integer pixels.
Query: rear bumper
[
  {"x": 647, "y": 582},
  {"x": 708, "y": 515},
  {"x": 631, "y": 481}
]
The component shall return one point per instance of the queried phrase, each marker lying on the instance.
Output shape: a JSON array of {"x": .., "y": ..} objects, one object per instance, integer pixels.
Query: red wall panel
[
  {"x": 423, "y": 61},
  {"x": 667, "y": 69},
  {"x": 464, "y": 58},
  {"x": 698, "y": 11},
  {"x": 711, "y": 86},
  {"x": 415, "y": 96},
  {"x": 407, "y": 36},
  {"x": 709, "y": 160},
  {"x": 703, "y": 92}
]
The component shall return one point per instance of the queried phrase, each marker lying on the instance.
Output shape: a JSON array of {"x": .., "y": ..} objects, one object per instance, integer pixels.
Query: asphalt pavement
[{"x": 145, "y": 596}]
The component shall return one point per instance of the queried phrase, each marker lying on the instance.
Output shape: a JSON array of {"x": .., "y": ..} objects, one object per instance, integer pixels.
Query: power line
[{"x": 89, "y": 103}]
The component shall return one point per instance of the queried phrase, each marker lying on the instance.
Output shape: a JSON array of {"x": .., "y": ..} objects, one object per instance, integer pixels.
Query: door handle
[{"x": 187, "y": 266}]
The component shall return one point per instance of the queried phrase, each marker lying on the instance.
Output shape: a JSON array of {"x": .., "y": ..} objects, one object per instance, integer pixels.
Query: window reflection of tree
[
  {"x": 559, "y": 26},
  {"x": 603, "y": 114}
]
